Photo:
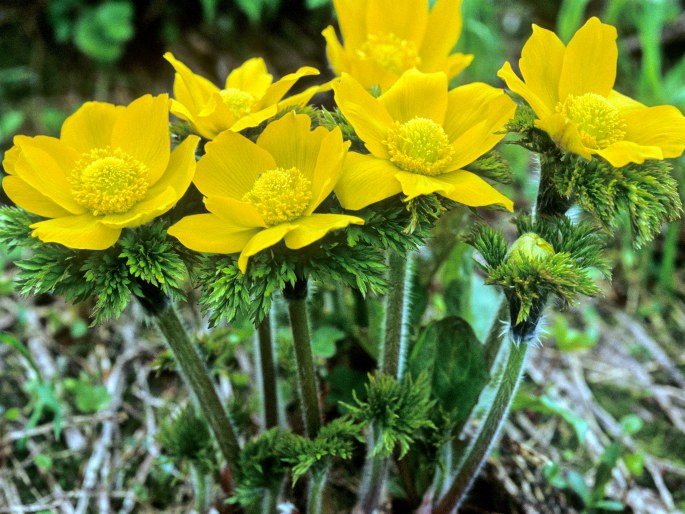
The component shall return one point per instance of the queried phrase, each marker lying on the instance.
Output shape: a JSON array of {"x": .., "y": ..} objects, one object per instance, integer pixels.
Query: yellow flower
[
  {"x": 258, "y": 194},
  {"x": 249, "y": 97},
  {"x": 570, "y": 90},
  {"x": 421, "y": 136},
  {"x": 384, "y": 38},
  {"x": 110, "y": 168}
]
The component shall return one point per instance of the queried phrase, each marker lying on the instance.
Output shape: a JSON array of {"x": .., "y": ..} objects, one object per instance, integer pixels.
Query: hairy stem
[
  {"x": 200, "y": 487},
  {"x": 198, "y": 379},
  {"x": 505, "y": 358},
  {"x": 306, "y": 375},
  {"x": 507, "y": 368},
  {"x": 396, "y": 311},
  {"x": 315, "y": 491},
  {"x": 268, "y": 373},
  {"x": 374, "y": 474}
]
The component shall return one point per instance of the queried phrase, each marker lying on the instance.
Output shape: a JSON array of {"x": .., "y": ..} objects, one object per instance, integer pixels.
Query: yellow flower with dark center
[
  {"x": 570, "y": 88},
  {"x": 249, "y": 97},
  {"x": 259, "y": 194},
  {"x": 111, "y": 168},
  {"x": 384, "y": 38},
  {"x": 421, "y": 138}
]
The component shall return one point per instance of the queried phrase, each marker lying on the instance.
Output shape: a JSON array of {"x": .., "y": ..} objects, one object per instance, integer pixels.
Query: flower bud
[{"x": 527, "y": 247}]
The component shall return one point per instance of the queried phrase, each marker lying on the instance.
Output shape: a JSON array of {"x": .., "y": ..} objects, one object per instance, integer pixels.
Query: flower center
[
  {"x": 390, "y": 52},
  {"x": 280, "y": 195},
  {"x": 599, "y": 123},
  {"x": 238, "y": 101},
  {"x": 108, "y": 181},
  {"x": 419, "y": 146}
]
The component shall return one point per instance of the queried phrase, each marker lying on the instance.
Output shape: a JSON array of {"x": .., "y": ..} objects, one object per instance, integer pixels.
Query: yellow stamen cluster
[
  {"x": 238, "y": 101},
  {"x": 108, "y": 181},
  {"x": 599, "y": 123},
  {"x": 280, "y": 195},
  {"x": 390, "y": 52},
  {"x": 419, "y": 146}
]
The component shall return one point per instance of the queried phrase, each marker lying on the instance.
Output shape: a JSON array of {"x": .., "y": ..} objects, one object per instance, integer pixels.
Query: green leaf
[
  {"x": 43, "y": 461},
  {"x": 545, "y": 404},
  {"x": 453, "y": 358},
  {"x": 15, "y": 343},
  {"x": 10, "y": 122},
  {"x": 324, "y": 339},
  {"x": 101, "y": 32},
  {"x": 635, "y": 462},
  {"x": 576, "y": 482},
  {"x": 611, "y": 505},
  {"x": 631, "y": 424},
  {"x": 91, "y": 398}
]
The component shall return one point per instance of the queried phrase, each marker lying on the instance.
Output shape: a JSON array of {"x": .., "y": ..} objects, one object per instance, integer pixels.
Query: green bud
[{"x": 528, "y": 247}]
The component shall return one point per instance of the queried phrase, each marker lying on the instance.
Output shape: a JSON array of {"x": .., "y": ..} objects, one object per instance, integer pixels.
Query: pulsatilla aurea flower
[
  {"x": 249, "y": 97},
  {"x": 420, "y": 137},
  {"x": 384, "y": 38},
  {"x": 111, "y": 168},
  {"x": 259, "y": 194},
  {"x": 570, "y": 88}
]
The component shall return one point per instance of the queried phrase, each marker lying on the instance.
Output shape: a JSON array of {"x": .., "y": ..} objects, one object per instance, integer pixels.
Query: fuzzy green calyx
[
  {"x": 186, "y": 437},
  {"x": 554, "y": 258},
  {"x": 143, "y": 258},
  {"x": 399, "y": 410}
]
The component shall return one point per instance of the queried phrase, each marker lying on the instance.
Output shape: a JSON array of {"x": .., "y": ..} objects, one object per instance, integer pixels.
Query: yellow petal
[
  {"x": 328, "y": 167},
  {"x": 564, "y": 134},
  {"x": 414, "y": 185},
  {"x": 252, "y": 119},
  {"x": 371, "y": 74},
  {"x": 209, "y": 233},
  {"x": 44, "y": 163},
  {"x": 417, "y": 94},
  {"x": 366, "y": 180},
  {"x": 31, "y": 199},
  {"x": 314, "y": 227},
  {"x": 142, "y": 212},
  {"x": 231, "y": 165},
  {"x": 496, "y": 110},
  {"x": 10, "y": 158},
  {"x": 590, "y": 61},
  {"x": 469, "y": 189},
  {"x": 91, "y": 126},
  {"x": 251, "y": 77},
  {"x": 352, "y": 21},
  {"x": 366, "y": 114},
  {"x": 334, "y": 51},
  {"x": 279, "y": 88},
  {"x": 142, "y": 131},
  {"x": 442, "y": 33},
  {"x": 662, "y": 126},
  {"x": 262, "y": 240},
  {"x": 291, "y": 144},
  {"x": 82, "y": 232},
  {"x": 318, "y": 154},
  {"x": 235, "y": 212},
  {"x": 471, "y": 104},
  {"x": 191, "y": 90},
  {"x": 179, "y": 174},
  {"x": 405, "y": 19},
  {"x": 624, "y": 103},
  {"x": 517, "y": 86},
  {"x": 541, "y": 60},
  {"x": 456, "y": 63},
  {"x": 624, "y": 152}
]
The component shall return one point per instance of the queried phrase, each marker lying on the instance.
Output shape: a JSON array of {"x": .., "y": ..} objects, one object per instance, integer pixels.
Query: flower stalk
[
  {"x": 296, "y": 295},
  {"x": 196, "y": 374},
  {"x": 268, "y": 373},
  {"x": 394, "y": 341}
]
